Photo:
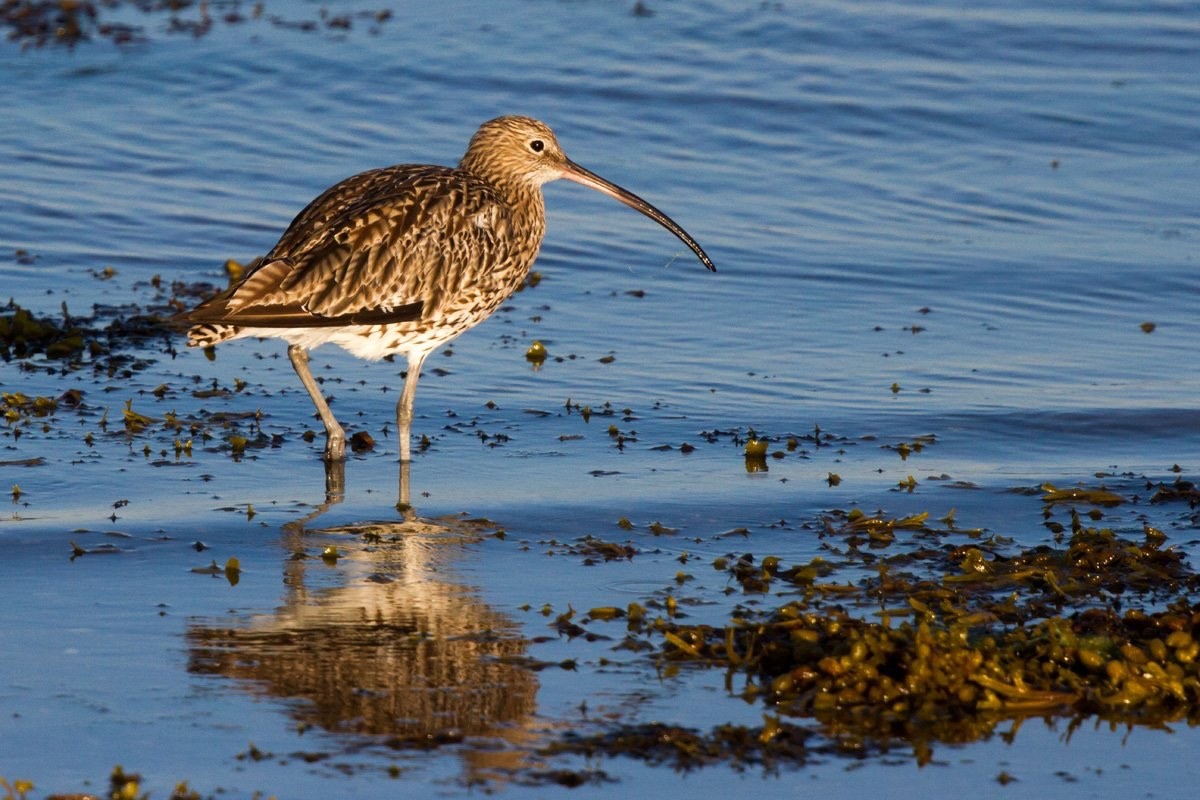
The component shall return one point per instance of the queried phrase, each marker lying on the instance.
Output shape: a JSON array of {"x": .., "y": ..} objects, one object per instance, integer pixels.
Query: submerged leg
[
  {"x": 404, "y": 407},
  {"x": 404, "y": 497},
  {"x": 335, "y": 437}
]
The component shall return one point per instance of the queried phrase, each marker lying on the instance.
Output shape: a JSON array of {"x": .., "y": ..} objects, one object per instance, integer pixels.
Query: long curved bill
[{"x": 574, "y": 172}]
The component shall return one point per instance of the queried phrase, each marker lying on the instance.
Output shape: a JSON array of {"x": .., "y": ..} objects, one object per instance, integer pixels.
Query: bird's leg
[
  {"x": 404, "y": 406},
  {"x": 404, "y": 497},
  {"x": 335, "y": 437}
]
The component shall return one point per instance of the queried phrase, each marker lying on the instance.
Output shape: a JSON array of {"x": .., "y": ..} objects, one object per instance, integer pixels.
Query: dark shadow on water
[{"x": 382, "y": 643}]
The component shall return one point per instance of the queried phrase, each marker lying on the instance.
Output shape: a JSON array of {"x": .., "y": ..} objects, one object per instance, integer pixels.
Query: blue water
[{"x": 978, "y": 203}]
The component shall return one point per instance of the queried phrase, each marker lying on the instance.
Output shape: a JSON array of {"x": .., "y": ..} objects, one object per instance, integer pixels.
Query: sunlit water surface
[{"x": 927, "y": 219}]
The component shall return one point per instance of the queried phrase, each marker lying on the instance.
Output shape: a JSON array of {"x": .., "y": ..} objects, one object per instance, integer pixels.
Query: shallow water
[{"x": 979, "y": 205}]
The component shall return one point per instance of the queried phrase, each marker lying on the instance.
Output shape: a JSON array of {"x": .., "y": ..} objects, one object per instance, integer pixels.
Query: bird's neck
[
  {"x": 485, "y": 165},
  {"x": 524, "y": 201},
  {"x": 523, "y": 198},
  {"x": 527, "y": 202}
]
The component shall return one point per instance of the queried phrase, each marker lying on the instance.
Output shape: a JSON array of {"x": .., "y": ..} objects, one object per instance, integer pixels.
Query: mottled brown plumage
[{"x": 403, "y": 259}]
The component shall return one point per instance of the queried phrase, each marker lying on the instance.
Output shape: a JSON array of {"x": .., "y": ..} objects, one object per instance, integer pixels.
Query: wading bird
[{"x": 405, "y": 258}]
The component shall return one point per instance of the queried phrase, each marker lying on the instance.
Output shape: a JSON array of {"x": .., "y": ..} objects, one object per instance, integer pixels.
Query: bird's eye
[{"x": 537, "y": 145}]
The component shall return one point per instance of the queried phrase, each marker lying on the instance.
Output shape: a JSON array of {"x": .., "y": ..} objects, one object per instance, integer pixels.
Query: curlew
[{"x": 401, "y": 260}]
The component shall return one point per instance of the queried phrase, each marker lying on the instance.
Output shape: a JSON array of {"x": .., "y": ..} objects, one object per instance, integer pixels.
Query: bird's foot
[{"x": 335, "y": 445}]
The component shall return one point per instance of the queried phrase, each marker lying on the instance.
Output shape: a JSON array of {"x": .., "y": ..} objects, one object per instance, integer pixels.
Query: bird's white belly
[{"x": 371, "y": 342}]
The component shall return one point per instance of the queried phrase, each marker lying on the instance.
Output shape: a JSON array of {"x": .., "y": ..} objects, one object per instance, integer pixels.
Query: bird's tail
[{"x": 206, "y": 334}]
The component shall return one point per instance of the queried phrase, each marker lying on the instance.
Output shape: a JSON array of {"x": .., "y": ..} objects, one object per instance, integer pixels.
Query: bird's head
[
  {"x": 516, "y": 150},
  {"x": 523, "y": 153}
]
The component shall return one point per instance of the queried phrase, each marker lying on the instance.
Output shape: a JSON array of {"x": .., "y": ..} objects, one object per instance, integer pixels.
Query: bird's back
[{"x": 427, "y": 250}]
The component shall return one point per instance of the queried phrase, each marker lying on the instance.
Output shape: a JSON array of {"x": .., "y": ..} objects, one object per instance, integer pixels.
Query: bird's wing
[{"x": 382, "y": 246}]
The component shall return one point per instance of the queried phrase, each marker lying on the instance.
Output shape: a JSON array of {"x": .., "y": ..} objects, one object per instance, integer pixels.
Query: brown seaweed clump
[
  {"x": 775, "y": 744},
  {"x": 982, "y": 642},
  {"x": 940, "y": 642},
  {"x": 72, "y": 341},
  {"x": 23, "y": 335},
  {"x": 37, "y": 23}
]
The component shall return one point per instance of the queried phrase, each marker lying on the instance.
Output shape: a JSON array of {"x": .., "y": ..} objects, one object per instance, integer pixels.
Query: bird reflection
[{"x": 384, "y": 644}]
